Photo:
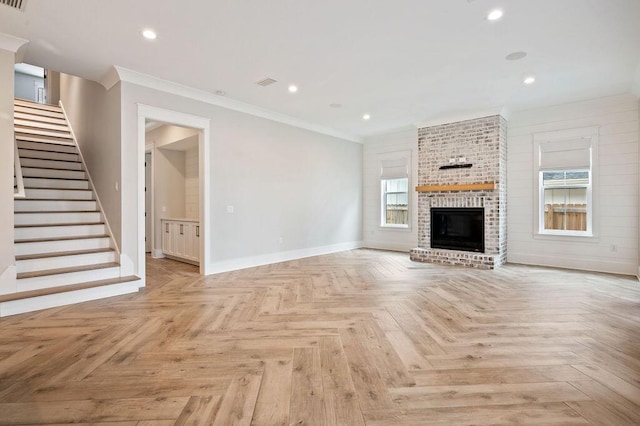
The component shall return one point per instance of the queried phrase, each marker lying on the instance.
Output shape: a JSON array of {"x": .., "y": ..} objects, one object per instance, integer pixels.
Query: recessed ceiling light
[
  {"x": 149, "y": 34},
  {"x": 516, "y": 56},
  {"x": 366, "y": 117},
  {"x": 494, "y": 15},
  {"x": 293, "y": 88},
  {"x": 529, "y": 80}
]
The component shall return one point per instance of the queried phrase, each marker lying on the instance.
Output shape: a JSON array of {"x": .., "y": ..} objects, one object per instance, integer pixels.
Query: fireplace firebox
[{"x": 458, "y": 229}]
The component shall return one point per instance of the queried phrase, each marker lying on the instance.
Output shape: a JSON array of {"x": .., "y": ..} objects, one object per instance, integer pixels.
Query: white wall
[
  {"x": 25, "y": 86},
  {"x": 292, "y": 189},
  {"x": 192, "y": 187},
  {"x": 376, "y": 236},
  {"x": 615, "y": 247},
  {"x": 94, "y": 115},
  {"x": 7, "y": 259}
]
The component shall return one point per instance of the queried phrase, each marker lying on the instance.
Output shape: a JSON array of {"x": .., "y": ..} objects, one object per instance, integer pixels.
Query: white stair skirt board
[
  {"x": 58, "y": 194},
  {"x": 56, "y": 218},
  {"x": 52, "y": 246},
  {"x": 69, "y": 278},
  {"x": 46, "y": 146},
  {"x": 16, "y": 307},
  {"x": 50, "y": 164},
  {"x": 64, "y": 261},
  {"x": 62, "y": 174},
  {"x": 26, "y": 205},
  {"x": 55, "y": 183},
  {"x": 30, "y": 233},
  {"x": 47, "y": 155}
]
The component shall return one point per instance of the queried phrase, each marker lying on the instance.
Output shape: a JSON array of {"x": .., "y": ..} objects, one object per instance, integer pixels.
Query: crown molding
[
  {"x": 11, "y": 43},
  {"x": 118, "y": 73},
  {"x": 463, "y": 116}
]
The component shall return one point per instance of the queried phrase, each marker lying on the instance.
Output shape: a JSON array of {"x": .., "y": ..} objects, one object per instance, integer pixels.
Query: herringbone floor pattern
[{"x": 360, "y": 337}]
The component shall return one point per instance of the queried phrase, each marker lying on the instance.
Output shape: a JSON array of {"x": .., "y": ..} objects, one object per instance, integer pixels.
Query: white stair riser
[
  {"x": 47, "y": 147},
  {"x": 37, "y": 124},
  {"x": 24, "y": 109},
  {"x": 47, "y": 155},
  {"x": 55, "y": 194},
  {"x": 53, "y": 205},
  {"x": 55, "y": 218},
  {"x": 59, "y": 231},
  {"x": 63, "y": 245},
  {"x": 64, "y": 174},
  {"x": 50, "y": 164},
  {"x": 56, "y": 183},
  {"x": 32, "y": 265},
  {"x": 36, "y": 283}
]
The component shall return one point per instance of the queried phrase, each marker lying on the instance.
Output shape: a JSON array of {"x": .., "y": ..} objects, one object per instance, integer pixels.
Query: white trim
[
  {"x": 608, "y": 266},
  {"x": 11, "y": 43},
  {"x": 8, "y": 280},
  {"x": 463, "y": 116},
  {"x": 638, "y": 273},
  {"x": 91, "y": 185},
  {"x": 156, "y": 83},
  {"x": 385, "y": 245},
  {"x": 157, "y": 253},
  {"x": 15, "y": 307},
  {"x": 203, "y": 124},
  {"x": 592, "y": 133},
  {"x": 283, "y": 256}
]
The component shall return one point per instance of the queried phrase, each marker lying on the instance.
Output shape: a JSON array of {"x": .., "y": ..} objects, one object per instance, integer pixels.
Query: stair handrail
[{"x": 19, "y": 190}]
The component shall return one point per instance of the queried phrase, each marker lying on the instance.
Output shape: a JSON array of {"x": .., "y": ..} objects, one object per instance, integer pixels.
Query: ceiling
[{"x": 403, "y": 62}]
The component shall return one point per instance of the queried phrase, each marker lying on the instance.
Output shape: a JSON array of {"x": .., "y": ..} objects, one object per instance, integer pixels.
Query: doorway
[{"x": 201, "y": 125}]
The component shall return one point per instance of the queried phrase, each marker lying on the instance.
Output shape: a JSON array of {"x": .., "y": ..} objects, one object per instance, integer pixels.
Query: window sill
[{"x": 402, "y": 228}]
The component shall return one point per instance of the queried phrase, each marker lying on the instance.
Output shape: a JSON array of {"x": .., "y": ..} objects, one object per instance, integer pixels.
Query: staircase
[{"x": 62, "y": 242}]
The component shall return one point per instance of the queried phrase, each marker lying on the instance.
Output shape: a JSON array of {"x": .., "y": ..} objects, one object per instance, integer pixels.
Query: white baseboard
[
  {"x": 31, "y": 304},
  {"x": 284, "y": 256},
  {"x": 157, "y": 254},
  {"x": 8, "y": 281},
  {"x": 383, "y": 245},
  {"x": 638, "y": 274},
  {"x": 594, "y": 265}
]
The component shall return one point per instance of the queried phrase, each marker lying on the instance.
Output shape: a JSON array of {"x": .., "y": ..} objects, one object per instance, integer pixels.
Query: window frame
[
  {"x": 384, "y": 208},
  {"x": 588, "y": 133},
  {"x": 387, "y": 157}
]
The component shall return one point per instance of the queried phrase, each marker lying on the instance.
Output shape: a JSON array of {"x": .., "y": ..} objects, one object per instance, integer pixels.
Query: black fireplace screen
[{"x": 458, "y": 229}]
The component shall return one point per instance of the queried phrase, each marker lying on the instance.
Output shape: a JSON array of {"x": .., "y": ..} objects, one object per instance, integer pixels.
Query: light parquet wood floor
[{"x": 360, "y": 337}]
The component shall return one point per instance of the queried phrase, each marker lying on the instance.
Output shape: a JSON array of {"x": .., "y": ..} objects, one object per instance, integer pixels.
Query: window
[
  {"x": 394, "y": 180},
  {"x": 565, "y": 197},
  {"x": 565, "y": 182}
]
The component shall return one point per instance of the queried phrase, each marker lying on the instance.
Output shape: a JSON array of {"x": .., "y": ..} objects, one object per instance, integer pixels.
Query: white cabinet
[{"x": 181, "y": 239}]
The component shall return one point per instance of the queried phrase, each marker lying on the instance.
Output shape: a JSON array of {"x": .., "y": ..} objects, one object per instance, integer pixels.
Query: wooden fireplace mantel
[{"x": 465, "y": 187}]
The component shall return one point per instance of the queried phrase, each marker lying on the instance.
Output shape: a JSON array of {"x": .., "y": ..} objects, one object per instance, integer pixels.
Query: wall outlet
[{"x": 230, "y": 209}]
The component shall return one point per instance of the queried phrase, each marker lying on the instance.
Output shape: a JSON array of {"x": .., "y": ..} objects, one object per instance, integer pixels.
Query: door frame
[{"x": 203, "y": 125}]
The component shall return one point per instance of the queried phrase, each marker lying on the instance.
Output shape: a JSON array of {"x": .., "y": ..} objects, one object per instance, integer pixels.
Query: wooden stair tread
[
  {"x": 24, "y": 157},
  {"x": 59, "y": 211},
  {"x": 67, "y": 288},
  {"x": 51, "y": 168},
  {"x": 49, "y": 141},
  {"x": 44, "y": 240},
  {"x": 62, "y": 254},
  {"x": 58, "y": 189},
  {"x": 59, "y": 271},
  {"x": 56, "y": 178},
  {"x": 53, "y": 199},
  {"x": 59, "y": 224}
]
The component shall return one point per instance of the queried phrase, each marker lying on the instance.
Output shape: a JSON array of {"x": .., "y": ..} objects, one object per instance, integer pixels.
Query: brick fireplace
[{"x": 463, "y": 165}]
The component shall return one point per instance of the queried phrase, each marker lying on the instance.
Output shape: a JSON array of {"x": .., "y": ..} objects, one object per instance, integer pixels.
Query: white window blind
[
  {"x": 394, "y": 169},
  {"x": 566, "y": 155}
]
